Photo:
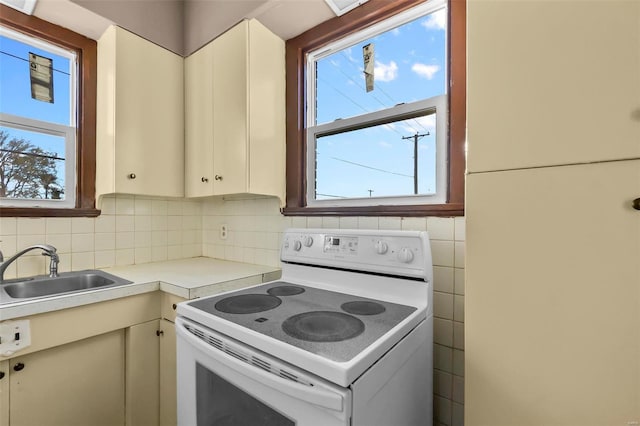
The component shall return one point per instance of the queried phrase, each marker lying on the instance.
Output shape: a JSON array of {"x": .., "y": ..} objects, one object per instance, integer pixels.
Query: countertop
[{"x": 186, "y": 278}]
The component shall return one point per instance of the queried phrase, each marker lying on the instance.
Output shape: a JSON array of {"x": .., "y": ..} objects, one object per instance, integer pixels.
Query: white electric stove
[{"x": 344, "y": 337}]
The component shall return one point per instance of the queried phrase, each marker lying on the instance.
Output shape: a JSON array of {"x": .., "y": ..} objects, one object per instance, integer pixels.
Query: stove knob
[
  {"x": 286, "y": 244},
  {"x": 297, "y": 245},
  {"x": 381, "y": 247},
  {"x": 308, "y": 241},
  {"x": 405, "y": 255}
]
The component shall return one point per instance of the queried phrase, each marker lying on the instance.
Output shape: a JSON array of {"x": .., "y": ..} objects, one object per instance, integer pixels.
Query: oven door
[{"x": 224, "y": 382}]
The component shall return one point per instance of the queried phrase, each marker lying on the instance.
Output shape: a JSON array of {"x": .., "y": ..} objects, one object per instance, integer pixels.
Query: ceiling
[{"x": 183, "y": 26}]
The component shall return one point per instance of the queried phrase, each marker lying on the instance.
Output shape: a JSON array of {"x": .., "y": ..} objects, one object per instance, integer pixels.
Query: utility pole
[{"x": 415, "y": 158}]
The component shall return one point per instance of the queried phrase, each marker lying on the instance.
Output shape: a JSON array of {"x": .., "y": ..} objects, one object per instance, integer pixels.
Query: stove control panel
[{"x": 392, "y": 252}]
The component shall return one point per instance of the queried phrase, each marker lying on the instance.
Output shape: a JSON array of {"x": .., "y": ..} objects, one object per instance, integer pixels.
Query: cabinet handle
[
  {"x": 18, "y": 367},
  {"x": 159, "y": 333},
  {"x": 218, "y": 177},
  {"x": 204, "y": 179},
  {"x": 132, "y": 176},
  {"x": 1, "y": 375},
  {"x": 636, "y": 204}
]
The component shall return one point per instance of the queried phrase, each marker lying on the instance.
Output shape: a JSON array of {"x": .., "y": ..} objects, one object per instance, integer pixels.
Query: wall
[
  {"x": 254, "y": 233},
  {"x": 131, "y": 229}
]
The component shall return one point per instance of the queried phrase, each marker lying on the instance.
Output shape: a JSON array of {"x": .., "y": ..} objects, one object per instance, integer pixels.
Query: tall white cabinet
[
  {"x": 235, "y": 114},
  {"x": 552, "y": 295},
  {"x": 140, "y": 118}
]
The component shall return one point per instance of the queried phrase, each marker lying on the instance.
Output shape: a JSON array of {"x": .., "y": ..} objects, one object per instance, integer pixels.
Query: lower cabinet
[
  {"x": 168, "y": 407},
  {"x": 151, "y": 374},
  {"x": 80, "y": 383},
  {"x": 123, "y": 376},
  {"x": 143, "y": 374}
]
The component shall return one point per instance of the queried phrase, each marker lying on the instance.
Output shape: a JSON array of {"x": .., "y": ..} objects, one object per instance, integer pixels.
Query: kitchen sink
[{"x": 67, "y": 282}]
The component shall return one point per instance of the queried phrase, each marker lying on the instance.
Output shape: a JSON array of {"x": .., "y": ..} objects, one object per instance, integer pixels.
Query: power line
[
  {"x": 369, "y": 167},
  {"x": 32, "y": 154},
  {"x": 26, "y": 60},
  {"x": 329, "y": 195}
]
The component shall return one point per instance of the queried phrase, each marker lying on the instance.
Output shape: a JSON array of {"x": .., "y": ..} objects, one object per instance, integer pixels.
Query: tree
[{"x": 27, "y": 171}]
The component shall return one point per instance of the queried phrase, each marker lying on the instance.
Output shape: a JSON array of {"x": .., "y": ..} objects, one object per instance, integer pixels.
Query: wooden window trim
[
  {"x": 363, "y": 16},
  {"x": 86, "y": 125}
]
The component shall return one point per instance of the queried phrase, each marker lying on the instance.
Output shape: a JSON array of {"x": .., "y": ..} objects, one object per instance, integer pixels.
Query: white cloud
[
  {"x": 436, "y": 21},
  {"x": 385, "y": 144},
  {"x": 395, "y": 31},
  {"x": 385, "y": 72},
  {"x": 424, "y": 70}
]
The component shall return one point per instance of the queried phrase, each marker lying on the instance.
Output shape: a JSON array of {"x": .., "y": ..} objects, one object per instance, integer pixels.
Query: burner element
[
  {"x": 363, "y": 307},
  {"x": 247, "y": 303},
  {"x": 285, "y": 290},
  {"x": 323, "y": 326}
]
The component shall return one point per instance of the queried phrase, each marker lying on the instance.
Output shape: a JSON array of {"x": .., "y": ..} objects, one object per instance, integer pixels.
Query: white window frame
[
  {"x": 436, "y": 105},
  {"x": 49, "y": 128}
]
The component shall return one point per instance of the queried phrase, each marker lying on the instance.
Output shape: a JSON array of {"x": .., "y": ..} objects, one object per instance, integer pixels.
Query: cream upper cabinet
[
  {"x": 561, "y": 81},
  {"x": 552, "y": 298},
  {"x": 235, "y": 114},
  {"x": 140, "y": 117}
]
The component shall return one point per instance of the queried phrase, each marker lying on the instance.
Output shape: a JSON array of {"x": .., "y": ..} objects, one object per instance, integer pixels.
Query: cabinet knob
[
  {"x": 218, "y": 177},
  {"x": 174, "y": 306},
  {"x": 159, "y": 333},
  {"x": 636, "y": 204},
  {"x": 18, "y": 367},
  {"x": 1, "y": 375},
  {"x": 204, "y": 179},
  {"x": 132, "y": 176}
]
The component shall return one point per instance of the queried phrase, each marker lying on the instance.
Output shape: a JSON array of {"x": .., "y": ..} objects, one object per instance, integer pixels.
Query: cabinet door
[
  {"x": 149, "y": 125},
  {"x": 198, "y": 94},
  {"x": 168, "y": 394},
  {"x": 230, "y": 110},
  {"x": 552, "y": 296},
  {"x": 4, "y": 393},
  {"x": 80, "y": 383},
  {"x": 143, "y": 374},
  {"x": 550, "y": 83}
]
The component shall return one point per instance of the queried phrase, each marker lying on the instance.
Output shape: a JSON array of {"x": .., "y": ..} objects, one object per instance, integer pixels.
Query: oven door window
[{"x": 220, "y": 403}]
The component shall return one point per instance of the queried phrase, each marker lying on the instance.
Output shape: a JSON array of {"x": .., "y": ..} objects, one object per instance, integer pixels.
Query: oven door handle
[{"x": 312, "y": 394}]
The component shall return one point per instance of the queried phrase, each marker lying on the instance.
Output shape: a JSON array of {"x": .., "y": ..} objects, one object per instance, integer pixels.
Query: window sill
[
  {"x": 38, "y": 212},
  {"x": 452, "y": 209}
]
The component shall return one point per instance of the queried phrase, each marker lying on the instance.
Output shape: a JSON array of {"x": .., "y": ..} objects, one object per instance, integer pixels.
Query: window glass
[
  {"x": 408, "y": 62},
  {"x": 377, "y": 113},
  {"x": 16, "y": 84},
  {"x": 33, "y": 165},
  {"x": 378, "y": 161},
  {"x": 37, "y": 122}
]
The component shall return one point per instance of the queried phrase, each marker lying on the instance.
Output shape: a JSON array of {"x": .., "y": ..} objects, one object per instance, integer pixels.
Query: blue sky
[
  {"x": 409, "y": 66},
  {"x": 15, "y": 95}
]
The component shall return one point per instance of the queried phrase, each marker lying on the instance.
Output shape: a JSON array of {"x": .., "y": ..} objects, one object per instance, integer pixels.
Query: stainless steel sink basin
[{"x": 68, "y": 282}]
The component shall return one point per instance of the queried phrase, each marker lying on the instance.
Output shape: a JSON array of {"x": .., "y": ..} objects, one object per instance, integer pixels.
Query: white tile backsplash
[{"x": 131, "y": 229}]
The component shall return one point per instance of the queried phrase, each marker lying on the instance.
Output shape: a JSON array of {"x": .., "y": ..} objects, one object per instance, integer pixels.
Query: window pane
[
  {"x": 32, "y": 165},
  {"x": 409, "y": 65},
  {"x": 15, "y": 84},
  {"x": 378, "y": 161}
]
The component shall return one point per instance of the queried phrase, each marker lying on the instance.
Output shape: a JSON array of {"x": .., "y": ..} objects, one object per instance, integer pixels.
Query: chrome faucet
[{"x": 48, "y": 250}]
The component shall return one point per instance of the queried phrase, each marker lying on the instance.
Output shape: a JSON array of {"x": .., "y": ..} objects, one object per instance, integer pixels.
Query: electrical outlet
[{"x": 223, "y": 232}]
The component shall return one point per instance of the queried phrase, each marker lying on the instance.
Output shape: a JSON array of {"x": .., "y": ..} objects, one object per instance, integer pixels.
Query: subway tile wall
[
  {"x": 130, "y": 230},
  {"x": 254, "y": 231}
]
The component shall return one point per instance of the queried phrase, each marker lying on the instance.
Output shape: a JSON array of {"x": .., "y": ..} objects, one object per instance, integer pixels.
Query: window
[
  {"x": 47, "y": 119},
  {"x": 397, "y": 149}
]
